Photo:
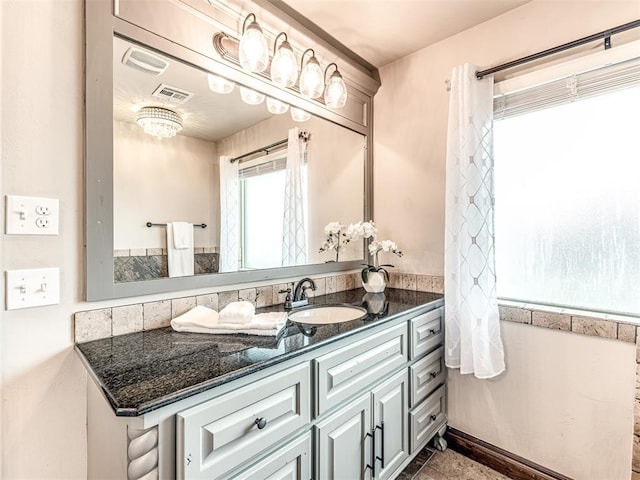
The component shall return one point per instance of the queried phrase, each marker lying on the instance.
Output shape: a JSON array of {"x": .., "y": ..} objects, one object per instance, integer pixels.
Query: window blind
[
  {"x": 568, "y": 89},
  {"x": 262, "y": 168}
]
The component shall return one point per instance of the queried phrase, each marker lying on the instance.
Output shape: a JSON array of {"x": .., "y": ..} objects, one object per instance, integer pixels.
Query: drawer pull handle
[
  {"x": 433, "y": 374},
  {"x": 433, "y": 418},
  {"x": 261, "y": 422}
]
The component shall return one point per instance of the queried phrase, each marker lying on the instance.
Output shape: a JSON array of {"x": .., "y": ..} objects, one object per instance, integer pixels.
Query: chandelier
[{"x": 159, "y": 122}]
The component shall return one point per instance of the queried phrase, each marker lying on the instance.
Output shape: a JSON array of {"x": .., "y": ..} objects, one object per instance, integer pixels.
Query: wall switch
[
  {"x": 31, "y": 215},
  {"x": 32, "y": 288}
]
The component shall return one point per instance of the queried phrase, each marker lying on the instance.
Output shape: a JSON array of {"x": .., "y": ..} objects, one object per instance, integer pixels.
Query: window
[
  {"x": 262, "y": 203},
  {"x": 567, "y": 189}
]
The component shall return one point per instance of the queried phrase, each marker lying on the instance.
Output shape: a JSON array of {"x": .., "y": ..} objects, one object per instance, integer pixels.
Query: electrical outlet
[
  {"x": 31, "y": 215},
  {"x": 32, "y": 288}
]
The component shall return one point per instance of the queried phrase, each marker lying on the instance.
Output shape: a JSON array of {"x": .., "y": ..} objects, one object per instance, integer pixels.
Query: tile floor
[{"x": 447, "y": 465}]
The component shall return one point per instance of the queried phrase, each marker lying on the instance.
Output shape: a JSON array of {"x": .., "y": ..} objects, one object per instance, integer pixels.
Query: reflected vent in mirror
[
  {"x": 172, "y": 93},
  {"x": 144, "y": 61}
]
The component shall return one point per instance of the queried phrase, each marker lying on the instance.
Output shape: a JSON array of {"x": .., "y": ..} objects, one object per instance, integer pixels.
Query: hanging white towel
[{"x": 180, "y": 249}]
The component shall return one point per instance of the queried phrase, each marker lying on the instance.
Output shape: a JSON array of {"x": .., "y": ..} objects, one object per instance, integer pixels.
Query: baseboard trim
[{"x": 507, "y": 463}]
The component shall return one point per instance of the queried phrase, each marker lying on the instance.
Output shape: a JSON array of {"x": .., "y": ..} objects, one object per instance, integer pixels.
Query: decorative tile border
[
  {"x": 148, "y": 252},
  {"x": 113, "y": 321},
  {"x": 617, "y": 327}
]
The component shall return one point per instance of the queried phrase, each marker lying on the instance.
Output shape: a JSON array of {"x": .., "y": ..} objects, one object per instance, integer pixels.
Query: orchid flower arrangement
[{"x": 338, "y": 234}]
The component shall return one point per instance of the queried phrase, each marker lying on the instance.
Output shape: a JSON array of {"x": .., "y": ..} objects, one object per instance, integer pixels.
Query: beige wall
[
  {"x": 547, "y": 407},
  {"x": 43, "y": 383},
  {"x": 174, "y": 179}
]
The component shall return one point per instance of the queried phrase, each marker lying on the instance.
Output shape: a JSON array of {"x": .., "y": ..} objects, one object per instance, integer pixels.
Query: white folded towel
[
  {"x": 198, "y": 317},
  {"x": 180, "y": 249},
  {"x": 237, "y": 312},
  {"x": 204, "y": 320}
]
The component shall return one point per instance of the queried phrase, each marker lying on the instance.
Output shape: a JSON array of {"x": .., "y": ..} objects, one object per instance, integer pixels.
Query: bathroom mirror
[{"x": 135, "y": 179}]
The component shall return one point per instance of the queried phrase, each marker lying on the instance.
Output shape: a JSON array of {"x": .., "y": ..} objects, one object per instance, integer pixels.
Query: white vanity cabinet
[{"x": 358, "y": 407}]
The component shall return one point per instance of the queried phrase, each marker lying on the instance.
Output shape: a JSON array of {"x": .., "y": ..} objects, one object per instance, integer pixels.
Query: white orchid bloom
[
  {"x": 388, "y": 246},
  {"x": 333, "y": 228}
]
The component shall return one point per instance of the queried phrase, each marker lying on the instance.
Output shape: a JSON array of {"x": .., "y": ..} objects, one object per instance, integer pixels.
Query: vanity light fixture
[
  {"x": 159, "y": 122},
  {"x": 284, "y": 66},
  {"x": 219, "y": 85},
  {"x": 335, "y": 91},
  {"x": 253, "y": 51},
  {"x": 311, "y": 77},
  {"x": 251, "y": 97},
  {"x": 299, "y": 115},
  {"x": 276, "y": 106}
]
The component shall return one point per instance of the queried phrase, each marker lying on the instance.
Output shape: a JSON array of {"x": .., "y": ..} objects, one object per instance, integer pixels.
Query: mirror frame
[{"x": 101, "y": 25}]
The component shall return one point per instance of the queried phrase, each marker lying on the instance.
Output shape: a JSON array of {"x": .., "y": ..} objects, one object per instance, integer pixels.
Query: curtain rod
[
  {"x": 606, "y": 35},
  {"x": 266, "y": 149},
  {"x": 304, "y": 135}
]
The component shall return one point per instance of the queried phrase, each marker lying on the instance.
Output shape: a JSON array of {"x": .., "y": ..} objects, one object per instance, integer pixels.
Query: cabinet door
[
  {"x": 390, "y": 421},
  {"x": 344, "y": 443},
  {"x": 291, "y": 462}
]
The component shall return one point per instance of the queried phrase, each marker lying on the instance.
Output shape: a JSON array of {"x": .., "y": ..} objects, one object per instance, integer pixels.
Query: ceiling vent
[
  {"x": 172, "y": 94},
  {"x": 144, "y": 61}
]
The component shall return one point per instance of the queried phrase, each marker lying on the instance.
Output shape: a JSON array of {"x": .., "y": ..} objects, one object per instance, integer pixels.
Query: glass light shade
[
  {"x": 284, "y": 66},
  {"x": 251, "y": 96},
  {"x": 335, "y": 93},
  {"x": 299, "y": 115},
  {"x": 253, "y": 50},
  {"x": 220, "y": 85},
  {"x": 159, "y": 122},
  {"x": 276, "y": 106},
  {"x": 311, "y": 79}
]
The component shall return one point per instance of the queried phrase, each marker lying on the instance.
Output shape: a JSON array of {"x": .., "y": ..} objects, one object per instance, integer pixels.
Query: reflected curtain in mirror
[
  {"x": 294, "y": 229},
  {"x": 230, "y": 215}
]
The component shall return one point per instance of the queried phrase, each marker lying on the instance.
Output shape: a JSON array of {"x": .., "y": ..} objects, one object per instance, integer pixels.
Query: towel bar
[{"x": 149, "y": 224}]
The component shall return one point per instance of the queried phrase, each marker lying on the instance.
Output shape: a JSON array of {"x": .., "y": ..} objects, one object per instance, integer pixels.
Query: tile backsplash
[
  {"x": 107, "y": 322},
  {"x": 151, "y": 263}
]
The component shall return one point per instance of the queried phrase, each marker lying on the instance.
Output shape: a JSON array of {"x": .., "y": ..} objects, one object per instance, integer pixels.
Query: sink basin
[{"x": 326, "y": 314}]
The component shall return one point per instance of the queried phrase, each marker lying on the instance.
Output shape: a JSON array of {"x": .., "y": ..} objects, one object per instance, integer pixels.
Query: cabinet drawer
[
  {"x": 427, "y": 418},
  {"x": 350, "y": 369},
  {"x": 222, "y": 433},
  {"x": 426, "y": 375},
  {"x": 426, "y": 332},
  {"x": 290, "y": 462}
]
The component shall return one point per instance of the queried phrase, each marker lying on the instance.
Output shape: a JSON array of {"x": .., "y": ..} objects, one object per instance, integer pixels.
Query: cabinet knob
[
  {"x": 432, "y": 417},
  {"x": 432, "y": 331},
  {"x": 433, "y": 374},
  {"x": 261, "y": 422}
]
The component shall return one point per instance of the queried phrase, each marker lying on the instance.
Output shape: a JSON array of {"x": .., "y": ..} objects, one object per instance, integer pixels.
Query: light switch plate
[
  {"x": 31, "y": 215},
  {"x": 32, "y": 288}
]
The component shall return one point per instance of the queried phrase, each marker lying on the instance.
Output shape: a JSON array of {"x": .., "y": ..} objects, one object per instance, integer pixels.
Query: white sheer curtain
[
  {"x": 229, "y": 215},
  {"x": 294, "y": 234},
  {"x": 472, "y": 326}
]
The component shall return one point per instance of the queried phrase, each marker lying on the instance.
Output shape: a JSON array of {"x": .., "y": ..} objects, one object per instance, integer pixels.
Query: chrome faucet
[{"x": 300, "y": 292}]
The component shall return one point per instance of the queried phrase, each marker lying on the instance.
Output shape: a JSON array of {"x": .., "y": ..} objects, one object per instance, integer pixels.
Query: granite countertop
[{"x": 143, "y": 371}]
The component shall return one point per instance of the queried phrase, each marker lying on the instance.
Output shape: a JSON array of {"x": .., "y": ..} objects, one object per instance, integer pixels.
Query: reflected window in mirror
[{"x": 262, "y": 198}]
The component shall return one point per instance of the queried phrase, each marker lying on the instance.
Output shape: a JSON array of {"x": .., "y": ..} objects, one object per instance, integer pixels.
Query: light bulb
[
  {"x": 299, "y": 115},
  {"x": 311, "y": 79},
  {"x": 220, "y": 85},
  {"x": 335, "y": 94},
  {"x": 253, "y": 51},
  {"x": 284, "y": 66},
  {"x": 276, "y": 106},
  {"x": 251, "y": 97}
]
